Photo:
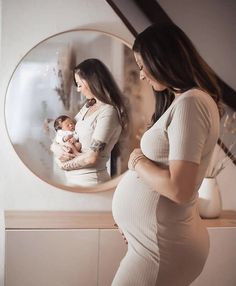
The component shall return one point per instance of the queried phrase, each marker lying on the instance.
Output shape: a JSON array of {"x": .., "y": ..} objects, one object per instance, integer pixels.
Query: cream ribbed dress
[
  {"x": 102, "y": 125},
  {"x": 167, "y": 242}
]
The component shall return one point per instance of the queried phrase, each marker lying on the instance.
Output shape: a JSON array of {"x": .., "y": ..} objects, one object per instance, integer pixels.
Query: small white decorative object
[{"x": 209, "y": 202}]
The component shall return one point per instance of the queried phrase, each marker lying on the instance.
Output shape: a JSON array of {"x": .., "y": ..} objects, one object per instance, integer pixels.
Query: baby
[{"x": 66, "y": 135}]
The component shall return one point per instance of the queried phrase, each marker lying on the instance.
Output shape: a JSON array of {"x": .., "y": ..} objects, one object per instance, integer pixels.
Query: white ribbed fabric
[
  {"x": 167, "y": 243},
  {"x": 102, "y": 125}
]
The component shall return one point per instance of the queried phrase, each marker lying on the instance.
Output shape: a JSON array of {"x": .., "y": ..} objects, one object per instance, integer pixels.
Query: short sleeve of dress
[
  {"x": 107, "y": 124},
  {"x": 188, "y": 129}
]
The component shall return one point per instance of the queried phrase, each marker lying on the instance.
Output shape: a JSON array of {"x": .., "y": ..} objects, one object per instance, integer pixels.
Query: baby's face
[{"x": 68, "y": 125}]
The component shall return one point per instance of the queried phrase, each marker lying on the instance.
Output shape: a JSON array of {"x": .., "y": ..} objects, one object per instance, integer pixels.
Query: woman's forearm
[
  {"x": 85, "y": 160},
  {"x": 177, "y": 182},
  {"x": 156, "y": 177}
]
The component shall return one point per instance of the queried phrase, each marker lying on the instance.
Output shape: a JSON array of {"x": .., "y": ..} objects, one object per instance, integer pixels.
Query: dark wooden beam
[
  {"x": 226, "y": 150},
  {"x": 153, "y": 11},
  {"x": 122, "y": 17},
  {"x": 228, "y": 94}
]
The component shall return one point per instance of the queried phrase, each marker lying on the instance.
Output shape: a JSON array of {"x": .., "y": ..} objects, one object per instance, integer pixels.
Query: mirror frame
[{"x": 102, "y": 187}]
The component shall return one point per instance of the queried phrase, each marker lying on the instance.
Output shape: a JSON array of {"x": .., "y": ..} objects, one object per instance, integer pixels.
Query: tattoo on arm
[
  {"x": 73, "y": 164},
  {"x": 97, "y": 146},
  {"x": 82, "y": 161}
]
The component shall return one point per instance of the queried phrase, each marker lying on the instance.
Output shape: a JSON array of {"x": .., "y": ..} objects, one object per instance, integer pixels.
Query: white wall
[
  {"x": 2, "y": 225},
  {"x": 211, "y": 26}
]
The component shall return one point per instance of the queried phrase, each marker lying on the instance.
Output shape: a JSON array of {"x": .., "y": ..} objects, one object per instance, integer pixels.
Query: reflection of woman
[
  {"x": 99, "y": 125},
  {"x": 155, "y": 204}
]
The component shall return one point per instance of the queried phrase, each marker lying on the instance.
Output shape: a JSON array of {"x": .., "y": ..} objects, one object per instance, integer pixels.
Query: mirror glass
[{"x": 42, "y": 88}]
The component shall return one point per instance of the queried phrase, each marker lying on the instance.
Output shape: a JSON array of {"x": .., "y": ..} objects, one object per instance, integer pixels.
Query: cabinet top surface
[{"x": 85, "y": 220}]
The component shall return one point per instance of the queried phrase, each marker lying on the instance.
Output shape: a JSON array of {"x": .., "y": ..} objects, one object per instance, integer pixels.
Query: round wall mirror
[{"x": 42, "y": 88}]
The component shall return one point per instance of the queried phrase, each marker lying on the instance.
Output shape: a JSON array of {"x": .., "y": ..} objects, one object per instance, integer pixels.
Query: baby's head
[{"x": 64, "y": 122}]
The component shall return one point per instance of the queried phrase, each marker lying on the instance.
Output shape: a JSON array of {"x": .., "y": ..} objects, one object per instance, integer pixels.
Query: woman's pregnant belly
[
  {"x": 134, "y": 210},
  {"x": 133, "y": 199},
  {"x": 134, "y": 206},
  {"x": 157, "y": 228}
]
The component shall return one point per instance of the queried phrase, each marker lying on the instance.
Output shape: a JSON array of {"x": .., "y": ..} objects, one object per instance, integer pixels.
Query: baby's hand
[
  {"x": 72, "y": 140},
  {"x": 67, "y": 138},
  {"x": 66, "y": 148}
]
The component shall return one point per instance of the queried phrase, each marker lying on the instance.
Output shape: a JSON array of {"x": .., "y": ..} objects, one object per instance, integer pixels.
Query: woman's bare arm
[
  {"x": 61, "y": 152},
  {"x": 86, "y": 159},
  {"x": 176, "y": 182}
]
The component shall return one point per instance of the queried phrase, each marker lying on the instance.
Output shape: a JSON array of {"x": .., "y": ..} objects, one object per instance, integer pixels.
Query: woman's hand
[
  {"x": 66, "y": 157},
  {"x": 135, "y": 156},
  {"x": 123, "y": 236},
  {"x": 61, "y": 152}
]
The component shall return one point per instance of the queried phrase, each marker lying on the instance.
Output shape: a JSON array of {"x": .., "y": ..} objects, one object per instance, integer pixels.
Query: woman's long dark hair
[
  {"x": 171, "y": 59},
  {"x": 103, "y": 86}
]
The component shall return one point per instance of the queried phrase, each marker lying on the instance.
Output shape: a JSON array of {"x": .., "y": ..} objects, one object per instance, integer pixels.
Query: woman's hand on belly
[
  {"x": 123, "y": 236},
  {"x": 135, "y": 156}
]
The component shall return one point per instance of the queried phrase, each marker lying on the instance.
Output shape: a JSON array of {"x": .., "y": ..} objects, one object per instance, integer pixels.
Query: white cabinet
[
  {"x": 78, "y": 249},
  {"x": 51, "y": 258},
  {"x": 112, "y": 249},
  {"x": 62, "y": 257}
]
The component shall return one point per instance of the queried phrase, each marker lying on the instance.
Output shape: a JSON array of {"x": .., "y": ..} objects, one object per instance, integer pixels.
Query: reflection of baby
[{"x": 66, "y": 135}]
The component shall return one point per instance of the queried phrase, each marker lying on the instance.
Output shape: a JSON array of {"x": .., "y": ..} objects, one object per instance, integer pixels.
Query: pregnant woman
[
  {"x": 155, "y": 203},
  {"x": 98, "y": 125}
]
